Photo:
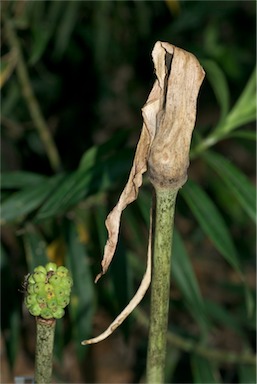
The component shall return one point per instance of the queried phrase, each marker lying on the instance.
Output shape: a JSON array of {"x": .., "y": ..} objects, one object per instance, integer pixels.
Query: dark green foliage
[{"x": 90, "y": 68}]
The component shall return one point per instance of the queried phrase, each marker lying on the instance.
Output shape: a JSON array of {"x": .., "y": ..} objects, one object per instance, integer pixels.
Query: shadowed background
[{"x": 89, "y": 70}]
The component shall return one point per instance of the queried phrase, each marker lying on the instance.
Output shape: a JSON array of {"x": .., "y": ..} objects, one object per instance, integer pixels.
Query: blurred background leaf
[
  {"x": 235, "y": 181},
  {"x": 203, "y": 371},
  {"x": 211, "y": 222},
  {"x": 82, "y": 299},
  {"x": 89, "y": 67}
]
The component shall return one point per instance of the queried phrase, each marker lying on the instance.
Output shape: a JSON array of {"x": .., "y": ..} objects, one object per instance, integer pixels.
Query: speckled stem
[
  {"x": 160, "y": 291},
  {"x": 44, "y": 350}
]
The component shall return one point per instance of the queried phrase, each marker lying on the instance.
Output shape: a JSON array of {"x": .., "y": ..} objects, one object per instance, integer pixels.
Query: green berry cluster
[{"x": 48, "y": 291}]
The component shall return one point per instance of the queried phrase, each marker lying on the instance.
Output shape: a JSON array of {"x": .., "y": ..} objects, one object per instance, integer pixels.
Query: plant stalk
[
  {"x": 44, "y": 350},
  {"x": 160, "y": 290}
]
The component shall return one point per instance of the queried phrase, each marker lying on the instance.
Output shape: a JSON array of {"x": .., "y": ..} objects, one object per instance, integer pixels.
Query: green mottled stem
[
  {"x": 160, "y": 291},
  {"x": 44, "y": 350}
]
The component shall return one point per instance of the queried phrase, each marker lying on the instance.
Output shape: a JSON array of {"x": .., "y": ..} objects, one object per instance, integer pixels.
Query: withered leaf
[{"x": 163, "y": 148}]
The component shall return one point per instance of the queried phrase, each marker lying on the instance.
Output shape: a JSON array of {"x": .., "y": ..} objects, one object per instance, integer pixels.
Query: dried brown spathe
[
  {"x": 168, "y": 121},
  {"x": 179, "y": 79}
]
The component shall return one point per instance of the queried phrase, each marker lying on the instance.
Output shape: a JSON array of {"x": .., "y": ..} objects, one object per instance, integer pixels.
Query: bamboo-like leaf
[
  {"x": 35, "y": 247},
  {"x": 82, "y": 296},
  {"x": 247, "y": 309},
  {"x": 59, "y": 201},
  {"x": 43, "y": 27},
  {"x": 100, "y": 216},
  {"x": 59, "y": 339},
  {"x": 244, "y": 134},
  {"x": 244, "y": 111},
  {"x": 65, "y": 28},
  {"x": 102, "y": 36},
  {"x": 250, "y": 303},
  {"x": 20, "y": 179},
  {"x": 21, "y": 203},
  {"x": 221, "y": 316},
  {"x": 84, "y": 182},
  {"x": 241, "y": 117},
  {"x": 203, "y": 371},
  {"x": 120, "y": 277},
  {"x": 98, "y": 153},
  {"x": 144, "y": 202},
  {"x": 248, "y": 94},
  {"x": 211, "y": 222},
  {"x": 12, "y": 342},
  {"x": 219, "y": 84},
  {"x": 136, "y": 228},
  {"x": 235, "y": 180},
  {"x": 10, "y": 316},
  {"x": 247, "y": 374},
  {"x": 41, "y": 36},
  {"x": 185, "y": 278},
  {"x": 172, "y": 360}
]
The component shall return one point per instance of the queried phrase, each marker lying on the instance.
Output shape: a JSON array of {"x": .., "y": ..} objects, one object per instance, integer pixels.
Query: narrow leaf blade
[
  {"x": 82, "y": 297},
  {"x": 185, "y": 278},
  {"x": 35, "y": 247},
  {"x": 236, "y": 181},
  {"x": 203, "y": 371},
  {"x": 21, "y": 203},
  {"x": 211, "y": 222},
  {"x": 83, "y": 182},
  {"x": 219, "y": 84},
  {"x": 20, "y": 179},
  {"x": 247, "y": 374}
]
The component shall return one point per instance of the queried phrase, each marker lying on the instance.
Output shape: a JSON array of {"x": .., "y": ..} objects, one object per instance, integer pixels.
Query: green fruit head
[
  {"x": 51, "y": 267},
  {"x": 55, "y": 280},
  {"x": 39, "y": 288},
  {"x": 35, "y": 310},
  {"x": 52, "y": 303},
  {"x": 39, "y": 277},
  {"x": 48, "y": 291},
  {"x": 59, "y": 292},
  {"x": 41, "y": 299},
  {"x": 62, "y": 271},
  {"x": 31, "y": 279},
  {"x": 30, "y": 300},
  {"x": 46, "y": 313},
  {"x": 49, "y": 288},
  {"x": 59, "y": 313},
  {"x": 63, "y": 302},
  {"x": 40, "y": 268},
  {"x": 67, "y": 282},
  {"x": 30, "y": 288}
]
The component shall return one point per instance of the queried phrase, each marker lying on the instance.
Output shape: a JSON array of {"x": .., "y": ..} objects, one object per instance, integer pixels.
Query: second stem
[
  {"x": 160, "y": 285},
  {"x": 44, "y": 350}
]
